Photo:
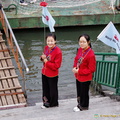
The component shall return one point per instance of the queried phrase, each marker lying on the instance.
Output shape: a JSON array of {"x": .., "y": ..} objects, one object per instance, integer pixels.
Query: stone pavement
[{"x": 101, "y": 108}]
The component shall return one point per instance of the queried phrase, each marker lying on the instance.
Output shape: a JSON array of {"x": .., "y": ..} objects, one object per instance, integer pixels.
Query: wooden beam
[
  {"x": 9, "y": 77},
  {"x": 16, "y": 93},
  {"x": 12, "y": 88},
  {"x": 4, "y": 50},
  {"x": 6, "y": 68},
  {"x": 2, "y": 41},
  {"x": 13, "y": 106},
  {"x": 5, "y": 58}
]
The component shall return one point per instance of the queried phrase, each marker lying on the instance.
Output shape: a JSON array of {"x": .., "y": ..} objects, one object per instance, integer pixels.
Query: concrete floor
[{"x": 101, "y": 108}]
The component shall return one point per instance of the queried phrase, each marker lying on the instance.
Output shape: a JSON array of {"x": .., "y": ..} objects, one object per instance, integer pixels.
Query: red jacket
[
  {"x": 51, "y": 67},
  {"x": 88, "y": 65}
]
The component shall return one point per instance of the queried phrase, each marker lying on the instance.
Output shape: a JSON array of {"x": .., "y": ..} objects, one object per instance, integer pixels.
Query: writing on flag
[
  {"x": 46, "y": 17},
  {"x": 110, "y": 37}
]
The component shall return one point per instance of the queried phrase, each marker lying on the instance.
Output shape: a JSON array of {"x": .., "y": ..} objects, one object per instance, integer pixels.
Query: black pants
[
  {"x": 50, "y": 91},
  {"x": 83, "y": 93}
]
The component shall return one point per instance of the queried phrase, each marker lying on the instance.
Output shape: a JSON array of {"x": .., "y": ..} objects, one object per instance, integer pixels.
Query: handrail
[
  {"x": 108, "y": 71},
  {"x": 100, "y": 53},
  {"x": 106, "y": 54},
  {"x": 21, "y": 55}
]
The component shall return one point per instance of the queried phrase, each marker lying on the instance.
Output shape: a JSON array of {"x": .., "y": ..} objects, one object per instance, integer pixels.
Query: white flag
[
  {"x": 48, "y": 19},
  {"x": 110, "y": 37}
]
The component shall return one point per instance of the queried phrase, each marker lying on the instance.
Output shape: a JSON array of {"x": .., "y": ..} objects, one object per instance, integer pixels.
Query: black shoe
[
  {"x": 82, "y": 108},
  {"x": 46, "y": 104}
]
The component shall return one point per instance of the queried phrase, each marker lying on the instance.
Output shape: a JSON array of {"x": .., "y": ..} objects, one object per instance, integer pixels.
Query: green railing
[{"x": 108, "y": 70}]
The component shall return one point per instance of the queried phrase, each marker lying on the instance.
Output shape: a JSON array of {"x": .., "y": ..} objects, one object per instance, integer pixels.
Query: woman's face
[
  {"x": 50, "y": 42},
  {"x": 83, "y": 43}
]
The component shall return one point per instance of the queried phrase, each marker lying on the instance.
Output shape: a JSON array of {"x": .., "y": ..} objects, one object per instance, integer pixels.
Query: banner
[
  {"x": 48, "y": 19},
  {"x": 110, "y": 37}
]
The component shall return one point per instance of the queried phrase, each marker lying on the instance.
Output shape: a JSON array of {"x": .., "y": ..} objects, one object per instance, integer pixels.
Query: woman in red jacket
[
  {"x": 83, "y": 68},
  {"x": 51, "y": 58}
]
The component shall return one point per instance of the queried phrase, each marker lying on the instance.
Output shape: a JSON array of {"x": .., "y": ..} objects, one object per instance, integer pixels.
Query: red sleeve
[
  {"x": 56, "y": 64},
  {"x": 90, "y": 68}
]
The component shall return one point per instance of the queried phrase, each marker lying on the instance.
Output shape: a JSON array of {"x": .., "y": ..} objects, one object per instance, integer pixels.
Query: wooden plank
[
  {"x": 5, "y": 58},
  {"x": 4, "y": 50},
  {"x": 9, "y": 77},
  {"x": 2, "y": 41},
  {"x": 11, "y": 88},
  {"x": 13, "y": 106},
  {"x": 5, "y": 68},
  {"x": 11, "y": 93}
]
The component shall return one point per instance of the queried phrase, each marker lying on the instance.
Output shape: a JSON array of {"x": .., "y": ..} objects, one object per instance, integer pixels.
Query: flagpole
[
  {"x": 44, "y": 33},
  {"x": 47, "y": 19}
]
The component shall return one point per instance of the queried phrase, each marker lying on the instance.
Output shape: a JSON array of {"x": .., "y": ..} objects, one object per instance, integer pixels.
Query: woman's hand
[
  {"x": 43, "y": 56},
  {"x": 75, "y": 70},
  {"x": 45, "y": 60}
]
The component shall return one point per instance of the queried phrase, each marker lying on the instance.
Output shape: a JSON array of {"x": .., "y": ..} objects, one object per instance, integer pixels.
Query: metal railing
[
  {"x": 12, "y": 39},
  {"x": 108, "y": 70}
]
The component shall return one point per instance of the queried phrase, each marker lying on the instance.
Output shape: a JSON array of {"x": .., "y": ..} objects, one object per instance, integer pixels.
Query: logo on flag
[
  {"x": 116, "y": 38},
  {"x": 110, "y": 37},
  {"x": 46, "y": 17}
]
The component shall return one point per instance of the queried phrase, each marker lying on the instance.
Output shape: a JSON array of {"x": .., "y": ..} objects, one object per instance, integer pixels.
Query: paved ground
[{"x": 101, "y": 108}]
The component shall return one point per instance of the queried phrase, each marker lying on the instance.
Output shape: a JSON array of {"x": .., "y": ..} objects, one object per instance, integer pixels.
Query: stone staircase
[{"x": 101, "y": 108}]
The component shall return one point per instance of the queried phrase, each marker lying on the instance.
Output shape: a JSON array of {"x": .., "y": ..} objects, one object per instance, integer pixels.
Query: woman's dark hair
[
  {"x": 51, "y": 35},
  {"x": 0, "y": 6},
  {"x": 87, "y": 37}
]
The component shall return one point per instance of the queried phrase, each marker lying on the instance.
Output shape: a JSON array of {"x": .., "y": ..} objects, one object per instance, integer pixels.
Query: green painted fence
[{"x": 108, "y": 70}]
